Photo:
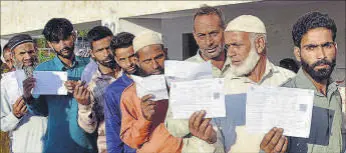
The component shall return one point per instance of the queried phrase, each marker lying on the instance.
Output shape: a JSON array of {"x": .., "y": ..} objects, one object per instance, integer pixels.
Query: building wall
[{"x": 23, "y": 16}]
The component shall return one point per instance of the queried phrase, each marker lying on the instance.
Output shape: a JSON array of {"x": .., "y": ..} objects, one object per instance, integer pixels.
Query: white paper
[
  {"x": 188, "y": 97},
  {"x": 153, "y": 84},
  {"x": 50, "y": 83},
  {"x": 14, "y": 80},
  {"x": 287, "y": 108},
  {"x": 176, "y": 71}
]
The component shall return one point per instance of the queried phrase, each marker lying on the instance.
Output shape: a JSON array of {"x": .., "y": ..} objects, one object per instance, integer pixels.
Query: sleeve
[
  {"x": 8, "y": 121},
  {"x": 87, "y": 119},
  {"x": 113, "y": 122},
  {"x": 38, "y": 106},
  {"x": 176, "y": 127},
  {"x": 134, "y": 130}
]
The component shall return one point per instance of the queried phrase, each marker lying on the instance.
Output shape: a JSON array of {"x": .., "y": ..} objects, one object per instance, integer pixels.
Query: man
[
  {"x": 7, "y": 59},
  {"x": 142, "y": 120},
  {"x": 90, "y": 112},
  {"x": 64, "y": 134},
  {"x": 126, "y": 59},
  {"x": 208, "y": 33},
  {"x": 27, "y": 132},
  {"x": 245, "y": 38},
  {"x": 208, "y": 27},
  {"x": 315, "y": 48}
]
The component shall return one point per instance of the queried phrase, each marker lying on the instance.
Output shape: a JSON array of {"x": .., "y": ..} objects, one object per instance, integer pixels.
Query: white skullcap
[
  {"x": 246, "y": 23},
  {"x": 145, "y": 39}
]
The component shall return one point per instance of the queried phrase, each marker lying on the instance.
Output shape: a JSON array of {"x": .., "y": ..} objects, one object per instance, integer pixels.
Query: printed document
[
  {"x": 154, "y": 84},
  {"x": 188, "y": 97},
  {"x": 287, "y": 108},
  {"x": 185, "y": 71}
]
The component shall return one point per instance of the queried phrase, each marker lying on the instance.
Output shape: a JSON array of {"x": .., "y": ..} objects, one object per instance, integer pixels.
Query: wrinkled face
[
  {"x": 102, "y": 52},
  {"x": 64, "y": 48},
  {"x": 208, "y": 34},
  {"x": 8, "y": 58},
  {"x": 151, "y": 60},
  {"x": 25, "y": 57},
  {"x": 126, "y": 59},
  {"x": 243, "y": 53},
  {"x": 317, "y": 53}
]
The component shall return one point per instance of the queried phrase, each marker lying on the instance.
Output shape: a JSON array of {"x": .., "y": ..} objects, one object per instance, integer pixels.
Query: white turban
[
  {"x": 246, "y": 23},
  {"x": 145, "y": 39}
]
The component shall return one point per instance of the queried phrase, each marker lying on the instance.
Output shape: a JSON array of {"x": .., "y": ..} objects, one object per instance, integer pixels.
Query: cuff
[
  {"x": 13, "y": 118},
  {"x": 84, "y": 107}
]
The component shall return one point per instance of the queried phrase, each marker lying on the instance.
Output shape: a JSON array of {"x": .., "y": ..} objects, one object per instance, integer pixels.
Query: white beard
[{"x": 248, "y": 65}]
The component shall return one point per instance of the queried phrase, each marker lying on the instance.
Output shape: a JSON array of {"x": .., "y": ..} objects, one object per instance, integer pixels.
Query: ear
[
  {"x": 74, "y": 35},
  {"x": 336, "y": 49},
  {"x": 260, "y": 45},
  {"x": 296, "y": 52}
]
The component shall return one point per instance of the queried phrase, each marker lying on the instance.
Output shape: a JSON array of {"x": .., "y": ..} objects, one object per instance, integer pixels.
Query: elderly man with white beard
[{"x": 245, "y": 39}]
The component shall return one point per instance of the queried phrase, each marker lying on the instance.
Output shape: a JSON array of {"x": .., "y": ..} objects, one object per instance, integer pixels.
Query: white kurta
[{"x": 27, "y": 134}]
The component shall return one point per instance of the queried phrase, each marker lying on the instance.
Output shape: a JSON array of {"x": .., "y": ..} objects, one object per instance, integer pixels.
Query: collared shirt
[
  {"x": 146, "y": 136},
  {"x": 89, "y": 71},
  {"x": 237, "y": 139},
  {"x": 325, "y": 133},
  {"x": 27, "y": 134},
  {"x": 216, "y": 71},
  {"x": 91, "y": 117},
  {"x": 113, "y": 115},
  {"x": 63, "y": 132}
]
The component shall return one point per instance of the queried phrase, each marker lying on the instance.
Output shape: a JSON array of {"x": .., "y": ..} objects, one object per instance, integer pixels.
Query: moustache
[
  {"x": 322, "y": 62},
  {"x": 66, "y": 48}
]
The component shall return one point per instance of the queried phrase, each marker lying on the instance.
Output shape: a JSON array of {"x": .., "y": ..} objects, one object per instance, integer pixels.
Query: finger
[
  {"x": 284, "y": 148},
  {"x": 22, "y": 110},
  {"x": 275, "y": 139},
  {"x": 21, "y": 103},
  {"x": 199, "y": 119},
  {"x": 86, "y": 93},
  {"x": 80, "y": 90},
  {"x": 192, "y": 119},
  {"x": 280, "y": 144},
  {"x": 267, "y": 137},
  {"x": 17, "y": 101},
  {"x": 202, "y": 128},
  {"x": 146, "y": 98},
  {"x": 210, "y": 133}
]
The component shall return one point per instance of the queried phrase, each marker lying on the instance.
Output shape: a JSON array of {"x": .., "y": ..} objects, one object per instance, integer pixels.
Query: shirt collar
[
  {"x": 61, "y": 66},
  {"x": 99, "y": 76},
  {"x": 302, "y": 81}
]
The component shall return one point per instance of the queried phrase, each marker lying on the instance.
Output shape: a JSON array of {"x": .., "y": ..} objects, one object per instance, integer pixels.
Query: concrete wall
[{"x": 23, "y": 16}]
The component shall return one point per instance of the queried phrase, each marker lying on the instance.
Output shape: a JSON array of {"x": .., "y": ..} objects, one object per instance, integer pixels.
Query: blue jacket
[{"x": 113, "y": 115}]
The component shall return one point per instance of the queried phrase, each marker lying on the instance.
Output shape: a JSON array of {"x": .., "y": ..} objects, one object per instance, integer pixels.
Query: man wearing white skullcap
[
  {"x": 142, "y": 125},
  {"x": 245, "y": 39}
]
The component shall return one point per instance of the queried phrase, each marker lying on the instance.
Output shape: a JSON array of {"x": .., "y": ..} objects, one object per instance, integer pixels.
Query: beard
[
  {"x": 69, "y": 49},
  {"x": 28, "y": 70},
  {"x": 321, "y": 74},
  {"x": 109, "y": 62},
  {"x": 248, "y": 65}
]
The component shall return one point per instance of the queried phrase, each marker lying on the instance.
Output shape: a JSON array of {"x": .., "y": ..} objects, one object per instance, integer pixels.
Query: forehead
[
  {"x": 124, "y": 51},
  {"x": 150, "y": 51},
  {"x": 102, "y": 42},
  {"x": 317, "y": 36},
  {"x": 236, "y": 36},
  {"x": 25, "y": 47},
  {"x": 206, "y": 22}
]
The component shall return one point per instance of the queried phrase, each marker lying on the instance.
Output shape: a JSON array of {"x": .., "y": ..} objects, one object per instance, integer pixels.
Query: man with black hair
[
  {"x": 315, "y": 48},
  {"x": 26, "y": 131},
  {"x": 91, "y": 97},
  {"x": 63, "y": 132},
  {"x": 125, "y": 57}
]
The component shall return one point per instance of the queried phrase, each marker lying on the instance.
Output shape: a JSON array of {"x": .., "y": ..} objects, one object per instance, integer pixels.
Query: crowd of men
[{"x": 103, "y": 113}]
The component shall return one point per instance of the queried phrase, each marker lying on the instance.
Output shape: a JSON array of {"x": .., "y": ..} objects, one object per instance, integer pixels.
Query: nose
[
  {"x": 127, "y": 63},
  {"x": 321, "y": 54},
  {"x": 27, "y": 56},
  {"x": 209, "y": 40},
  {"x": 230, "y": 52},
  {"x": 155, "y": 65}
]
